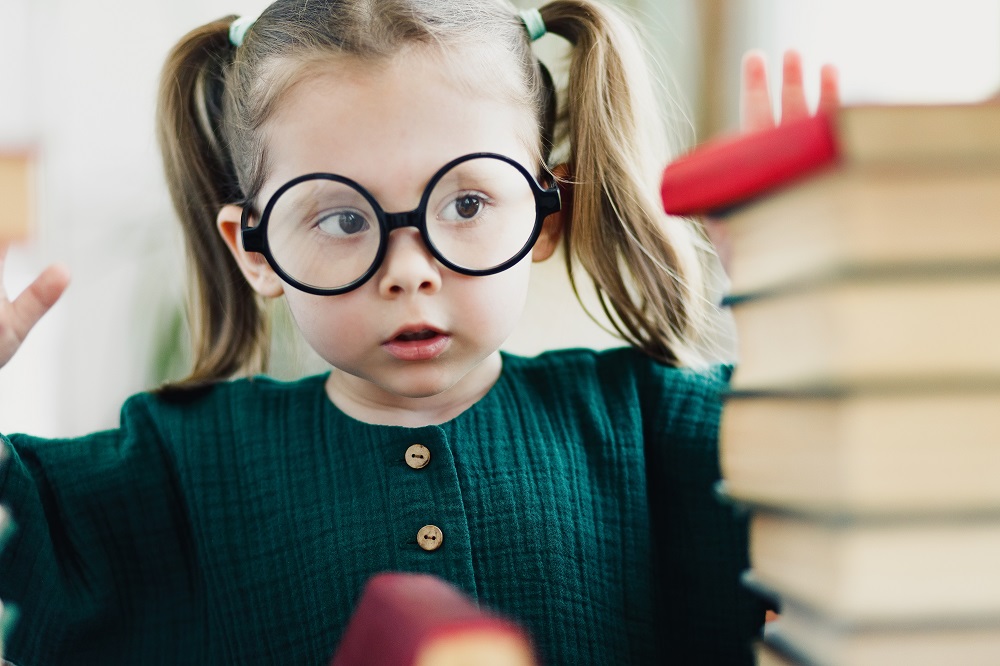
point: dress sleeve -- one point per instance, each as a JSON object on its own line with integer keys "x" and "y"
{"x": 700, "y": 543}
{"x": 101, "y": 549}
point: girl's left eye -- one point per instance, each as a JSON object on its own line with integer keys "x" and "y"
{"x": 465, "y": 207}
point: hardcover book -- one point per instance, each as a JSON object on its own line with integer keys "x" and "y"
{"x": 926, "y": 570}
{"x": 871, "y": 329}
{"x": 729, "y": 171}
{"x": 928, "y": 450}
{"x": 816, "y": 640}
{"x": 869, "y": 186}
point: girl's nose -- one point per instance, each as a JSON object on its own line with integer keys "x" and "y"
{"x": 408, "y": 267}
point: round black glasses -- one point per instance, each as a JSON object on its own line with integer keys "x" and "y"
{"x": 325, "y": 234}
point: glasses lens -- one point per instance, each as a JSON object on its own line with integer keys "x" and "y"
{"x": 481, "y": 213}
{"x": 323, "y": 233}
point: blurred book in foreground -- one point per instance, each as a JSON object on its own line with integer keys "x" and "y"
{"x": 16, "y": 194}
{"x": 405, "y": 619}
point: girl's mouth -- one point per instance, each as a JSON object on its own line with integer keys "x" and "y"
{"x": 413, "y": 336}
{"x": 417, "y": 344}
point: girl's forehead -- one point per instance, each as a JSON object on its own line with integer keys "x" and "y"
{"x": 391, "y": 120}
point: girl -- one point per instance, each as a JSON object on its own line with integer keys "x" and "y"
{"x": 384, "y": 166}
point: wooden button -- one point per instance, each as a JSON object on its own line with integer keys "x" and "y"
{"x": 418, "y": 456}
{"x": 430, "y": 537}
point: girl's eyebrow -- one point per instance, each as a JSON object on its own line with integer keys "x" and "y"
{"x": 309, "y": 196}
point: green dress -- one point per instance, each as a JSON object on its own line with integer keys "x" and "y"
{"x": 239, "y": 525}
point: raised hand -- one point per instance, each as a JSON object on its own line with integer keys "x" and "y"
{"x": 755, "y": 97}
{"x": 756, "y": 113}
{"x": 17, "y": 317}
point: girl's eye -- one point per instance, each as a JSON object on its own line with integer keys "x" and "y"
{"x": 465, "y": 207}
{"x": 343, "y": 223}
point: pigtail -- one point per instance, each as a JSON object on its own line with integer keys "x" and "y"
{"x": 229, "y": 330}
{"x": 644, "y": 265}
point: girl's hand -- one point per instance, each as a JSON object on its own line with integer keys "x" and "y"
{"x": 17, "y": 317}
{"x": 756, "y": 113}
{"x": 755, "y": 97}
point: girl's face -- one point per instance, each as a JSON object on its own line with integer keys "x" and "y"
{"x": 417, "y": 343}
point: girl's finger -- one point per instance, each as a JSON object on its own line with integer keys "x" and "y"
{"x": 755, "y": 100}
{"x": 829, "y": 88}
{"x": 3, "y": 262}
{"x": 793, "y": 93}
{"x": 36, "y": 300}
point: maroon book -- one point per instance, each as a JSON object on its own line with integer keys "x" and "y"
{"x": 405, "y": 619}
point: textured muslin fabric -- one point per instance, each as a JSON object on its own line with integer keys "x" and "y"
{"x": 239, "y": 525}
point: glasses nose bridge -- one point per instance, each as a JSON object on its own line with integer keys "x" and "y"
{"x": 395, "y": 221}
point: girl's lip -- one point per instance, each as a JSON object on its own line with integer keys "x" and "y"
{"x": 417, "y": 350}
{"x": 418, "y": 329}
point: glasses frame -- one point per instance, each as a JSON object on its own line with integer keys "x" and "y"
{"x": 547, "y": 202}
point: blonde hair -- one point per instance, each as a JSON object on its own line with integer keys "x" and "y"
{"x": 215, "y": 99}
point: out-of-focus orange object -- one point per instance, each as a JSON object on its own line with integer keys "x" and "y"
{"x": 16, "y": 193}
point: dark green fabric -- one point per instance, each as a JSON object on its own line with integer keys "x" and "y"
{"x": 239, "y": 526}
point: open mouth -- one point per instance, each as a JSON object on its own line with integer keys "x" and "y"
{"x": 415, "y": 336}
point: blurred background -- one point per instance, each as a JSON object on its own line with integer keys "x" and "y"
{"x": 77, "y": 93}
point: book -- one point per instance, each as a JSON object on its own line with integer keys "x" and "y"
{"x": 16, "y": 193}
{"x": 871, "y": 329}
{"x": 885, "y": 186}
{"x": 729, "y": 171}
{"x": 876, "y": 571}
{"x": 405, "y": 619}
{"x": 814, "y": 640}
{"x": 844, "y": 219}
{"x": 861, "y": 426}
{"x": 922, "y": 450}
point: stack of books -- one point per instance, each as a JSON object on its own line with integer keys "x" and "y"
{"x": 862, "y": 430}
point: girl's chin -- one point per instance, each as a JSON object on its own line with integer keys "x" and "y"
{"x": 416, "y": 386}
{"x": 394, "y": 387}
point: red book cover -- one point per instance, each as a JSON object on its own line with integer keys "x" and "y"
{"x": 405, "y": 619}
{"x": 728, "y": 171}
